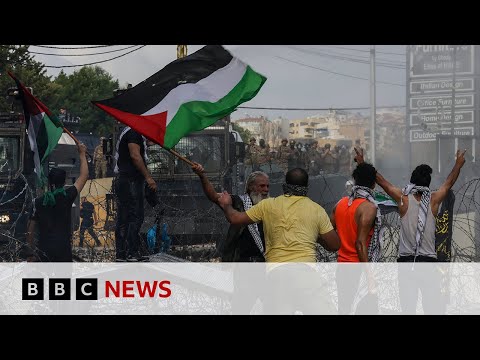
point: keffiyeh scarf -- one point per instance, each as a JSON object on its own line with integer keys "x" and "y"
{"x": 423, "y": 211}
{"x": 294, "y": 190}
{"x": 253, "y": 228}
{"x": 362, "y": 192}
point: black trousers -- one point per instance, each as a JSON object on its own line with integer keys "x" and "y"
{"x": 130, "y": 214}
{"x": 88, "y": 227}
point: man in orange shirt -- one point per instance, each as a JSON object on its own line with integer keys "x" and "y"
{"x": 356, "y": 219}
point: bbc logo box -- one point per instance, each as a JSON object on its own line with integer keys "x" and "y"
{"x": 59, "y": 289}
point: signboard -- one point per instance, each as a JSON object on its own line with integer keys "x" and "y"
{"x": 438, "y": 60}
{"x": 439, "y": 102}
{"x": 461, "y": 117}
{"x": 440, "y": 86}
{"x": 417, "y": 135}
{"x": 69, "y": 119}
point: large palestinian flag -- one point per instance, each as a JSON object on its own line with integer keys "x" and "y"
{"x": 44, "y": 128}
{"x": 187, "y": 95}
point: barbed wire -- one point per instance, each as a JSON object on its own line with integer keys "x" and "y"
{"x": 195, "y": 227}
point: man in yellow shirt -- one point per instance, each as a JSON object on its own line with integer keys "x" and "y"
{"x": 292, "y": 224}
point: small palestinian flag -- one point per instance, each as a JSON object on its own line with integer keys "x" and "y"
{"x": 44, "y": 129}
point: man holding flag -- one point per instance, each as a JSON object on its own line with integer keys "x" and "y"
{"x": 52, "y": 211}
{"x": 188, "y": 95}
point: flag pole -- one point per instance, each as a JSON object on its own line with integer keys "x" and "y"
{"x": 173, "y": 152}
{"x": 76, "y": 140}
{"x": 71, "y": 135}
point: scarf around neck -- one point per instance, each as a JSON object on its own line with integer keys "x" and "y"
{"x": 49, "y": 196}
{"x": 363, "y": 192}
{"x": 294, "y": 190}
{"x": 423, "y": 211}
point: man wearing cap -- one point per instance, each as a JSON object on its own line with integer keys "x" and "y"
{"x": 100, "y": 161}
{"x": 52, "y": 213}
{"x": 283, "y": 155}
{"x": 329, "y": 159}
{"x": 251, "y": 157}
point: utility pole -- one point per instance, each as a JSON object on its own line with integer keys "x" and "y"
{"x": 373, "y": 109}
{"x": 452, "y": 112}
{"x": 181, "y": 51}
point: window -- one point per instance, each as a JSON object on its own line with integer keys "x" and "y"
{"x": 9, "y": 154}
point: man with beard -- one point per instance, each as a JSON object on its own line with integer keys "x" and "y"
{"x": 243, "y": 243}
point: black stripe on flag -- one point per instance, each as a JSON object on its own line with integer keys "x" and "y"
{"x": 189, "y": 69}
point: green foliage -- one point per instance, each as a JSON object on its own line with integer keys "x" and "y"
{"x": 76, "y": 91}
{"x": 244, "y": 133}
{"x": 19, "y": 61}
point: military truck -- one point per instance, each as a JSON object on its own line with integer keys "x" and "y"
{"x": 190, "y": 217}
{"x": 16, "y": 185}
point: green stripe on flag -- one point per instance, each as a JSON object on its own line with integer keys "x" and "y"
{"x": 197, "y": 115}
{"x": 53, "y": 134}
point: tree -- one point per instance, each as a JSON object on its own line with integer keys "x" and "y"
{"x": 31, "y": 73}
{"x": 244, "y": 133}
{"x": 75, "y": 93}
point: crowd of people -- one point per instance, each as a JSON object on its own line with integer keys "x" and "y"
{"x": 291, "y": 154}
{"x": 284, "y": 229}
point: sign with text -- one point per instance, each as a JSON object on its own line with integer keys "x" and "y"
{"x": 438, "y": 60}
{"x": 417, "y": 135}
{"x": 440, "y": 102}
{"x": 461, "y": 117}
{"x": 440, "y": 86}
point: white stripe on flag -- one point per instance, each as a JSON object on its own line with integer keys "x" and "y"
{"x": 212, "y": 88}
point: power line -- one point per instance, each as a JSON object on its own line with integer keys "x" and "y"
{"x": 319, "y": 109}
{"x": 89, "y": 54}
{"x": 359, "y": 50}
{"x": 95, "y": 62}
{"x": 337, "y": 73}
{"x": 347, "y": 58}
{"x": 73, "y": 47}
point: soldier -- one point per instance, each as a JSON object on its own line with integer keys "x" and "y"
{"x": 344, "y": 161}
{"x": 283, "y": 155}
{"x": 314, "y": 160}
{"x": 329, "y": 159}
{"x": 294, "y": 156}
{"x": 251, "y": 157}
{"x": 100, "y": 161}
{"x": 263, "y": 157}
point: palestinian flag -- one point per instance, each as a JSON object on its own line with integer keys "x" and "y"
{"x": 187, "y": 95}
{"x": 385, "y": 203}
{"x": 44, "y": 129}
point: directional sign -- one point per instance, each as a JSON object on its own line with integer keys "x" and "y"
{"x": 461, "y": 117}
{"x": 438, "y": 60}
{"x": 441, "y": 102}
{"x": 440, "y": 86}
{"x": 417, "y": 135}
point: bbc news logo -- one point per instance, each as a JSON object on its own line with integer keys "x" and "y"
{"x": 87, "y": 289}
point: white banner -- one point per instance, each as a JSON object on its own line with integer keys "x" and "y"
{"x": 239, "y": 288}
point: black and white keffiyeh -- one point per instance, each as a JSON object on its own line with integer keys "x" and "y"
{"x": 362, "y": 192}
{"x": 124, "y": 131}
{"x": 294, "y": 190}
{"x": 253, "y": 228}
{"x": 423, "y": 211}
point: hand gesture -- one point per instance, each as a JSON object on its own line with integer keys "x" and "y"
{"x": 359, "y": 156}
{"x": 460, "y": 157}
{"x": 225, "y": 199}
{"x": 198, "y": 169}
{"x": 82, "y": 149}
